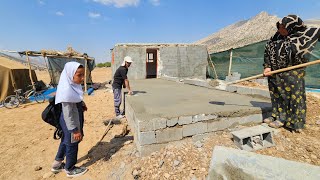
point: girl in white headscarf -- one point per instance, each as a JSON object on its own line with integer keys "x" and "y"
{"x": 70, "y": 95}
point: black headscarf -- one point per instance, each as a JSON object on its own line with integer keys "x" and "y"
{"x": 283, "y": 51}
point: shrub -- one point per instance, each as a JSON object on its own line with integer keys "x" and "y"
{"x": 106, "y": 64}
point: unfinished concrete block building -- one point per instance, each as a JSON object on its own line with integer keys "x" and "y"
{"x": 162, "y": 60}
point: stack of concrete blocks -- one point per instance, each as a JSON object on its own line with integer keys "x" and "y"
{"x": 253, "y": 138}
{"x": 233, "y": 77}
{"x": 153, "y": 133}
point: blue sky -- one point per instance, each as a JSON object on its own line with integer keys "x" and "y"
{"x": 95, "y": 26}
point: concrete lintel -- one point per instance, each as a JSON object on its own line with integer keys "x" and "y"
{"x": 229, "y": 163}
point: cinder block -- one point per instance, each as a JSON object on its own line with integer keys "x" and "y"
{"x": 261, "y": 92}
{"x": 144, "y": 126}
{"x": 185, "y": 120}
{"x": 197, "y": 82}
{"x": 244, "y": 90}
{"x": 159, "y": 123}
{"x": 253, "y": 138}
{"x": 203, "y": 117}
{"x": 168, "y": 134}
{"x": 172, "y": 122}
{"x": 221, "y": 124}
{"x": 224, "y": 123}
{"x": 152, "y": 125}
{"x": 147, "y": 137}
{"x": 254, "y": 118}
{"x": 193, "y": 129}
{"x": 231, "y": 88}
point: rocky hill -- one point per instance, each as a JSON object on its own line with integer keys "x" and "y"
{"x": 259, "y": 28}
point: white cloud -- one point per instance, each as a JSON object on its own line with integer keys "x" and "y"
{"x": 94, "y": 15}
{"x": 41, "y": 2}
{"x": 59, "y": 13}
{"x": 118, "y": 3}
{"x": 155, "y": 2}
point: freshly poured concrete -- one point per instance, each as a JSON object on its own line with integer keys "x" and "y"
{"x": 162, "y": 111}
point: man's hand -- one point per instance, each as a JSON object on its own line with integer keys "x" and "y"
{"x": 130, "y": 92}
{"x": 77, "y": 135}
{"x": 266, "y": 72}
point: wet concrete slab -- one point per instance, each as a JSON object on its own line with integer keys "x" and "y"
{"x": 161, "y": 98}
{"x": 162, "y": 111}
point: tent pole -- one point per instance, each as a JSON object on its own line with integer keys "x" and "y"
{"x": 214, "y": 69}
{"x": 230, "y": 64}
{"x": 85, "y": 74}
{"x": 30, "y": 72}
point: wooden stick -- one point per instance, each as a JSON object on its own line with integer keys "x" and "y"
{"x": 30, "y": 72}
{"x": 85, "y": 74}
{"x": 277, "y": 71}
{"x": 214, "y": 69}
{"x": 76, "y": 57}
{"x": 230, "y": 63}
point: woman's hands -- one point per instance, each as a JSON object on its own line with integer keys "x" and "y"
{"x": 266, "y": 72}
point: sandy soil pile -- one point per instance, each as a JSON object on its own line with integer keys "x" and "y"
{"x": 28, "y": 149}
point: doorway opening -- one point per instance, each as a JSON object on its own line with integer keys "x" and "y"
{"x": 151, "y": 63}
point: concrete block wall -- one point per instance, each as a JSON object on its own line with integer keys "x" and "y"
{"x": 138, "y": 54}
{"x": 174, "y": 60}
{"x": 152, "y": 134}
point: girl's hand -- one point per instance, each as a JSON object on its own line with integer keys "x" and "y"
{"x": 84, "y": 106}
{"x": 77, "y": 135}
{"x": 266, "y": 72}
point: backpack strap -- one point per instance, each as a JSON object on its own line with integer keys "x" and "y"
{"x": 58, "y": 133}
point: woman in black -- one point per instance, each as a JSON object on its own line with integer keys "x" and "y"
{"x": 291, "y": 45}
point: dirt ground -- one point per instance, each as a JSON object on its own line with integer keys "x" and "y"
{"x": 27, "y": 148}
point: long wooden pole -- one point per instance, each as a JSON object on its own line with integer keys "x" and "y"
{"x": 230, "y": 63}
{"x": 85, "y": 74}
{"x": 35, "y": 54}
{"x": 30, "y": 72}
{"x": 277, "y": 71}
{"x": 214, "y": 69}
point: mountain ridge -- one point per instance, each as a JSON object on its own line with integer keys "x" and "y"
{"x": 256, "y": 29}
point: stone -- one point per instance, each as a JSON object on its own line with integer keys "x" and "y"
{"x": 198, "y": 144}
{"x": 37, "y": 168}
{"x": 48, "y": 175}
{"x": 166, "y": 175}
{"x": 176, "y": 163}
{"x": 135, "y": 173}
{"x": 161, "y": 163}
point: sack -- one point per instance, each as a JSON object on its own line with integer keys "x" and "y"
{"x": 51, "y": 115}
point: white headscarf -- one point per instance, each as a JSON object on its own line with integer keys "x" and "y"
{"x": 67, "y": 90}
